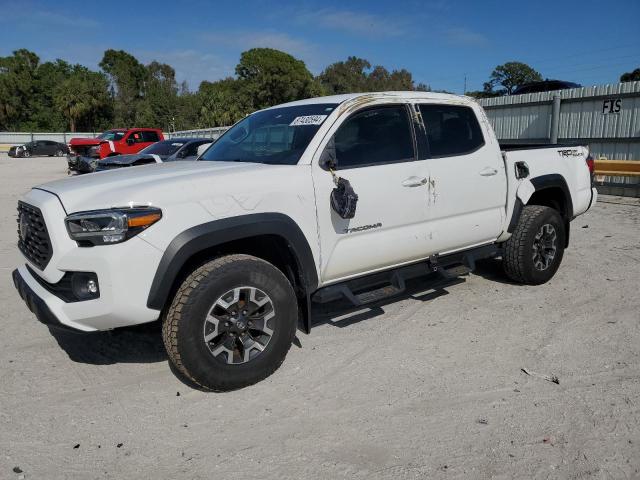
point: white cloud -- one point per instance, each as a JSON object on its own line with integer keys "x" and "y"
{"x": 355, "y": 23}
{"x": 263, "y": 39}
{"x": 466, "y": 37}
{"x": 190, "y": 65}
{"x": 237, "y": 41}
{"x": 17, "y": 13}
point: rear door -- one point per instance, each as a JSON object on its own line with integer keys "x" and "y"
{"x": 467, "y": 187}
{"x": 50, "y": 147}
{"x": 376, "y": 153}
{"x": 39, "y": 148}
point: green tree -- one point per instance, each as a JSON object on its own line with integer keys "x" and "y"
{"x": 17, "y": 86}
{"x": 82, "y": 97}
{"x": 356, "y": 75}
{"x": 345, "y": 77}
{"x": 509, "y": 76}
{"x": 43, "y": 113}
{"x": 127, "y": 77}
{"x": 631, "y": 76}
{"x": 483, "y": 94}
{"x": 223, "y": 102}
{"x": 158, "y": 105}
{"x": 270, "y": 77}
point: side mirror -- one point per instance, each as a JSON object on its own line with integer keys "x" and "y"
{"x": 328, "y": 158}
{"x": 130, "y": 141}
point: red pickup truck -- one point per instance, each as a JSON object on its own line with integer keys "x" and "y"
{"x": 84, "y": 151}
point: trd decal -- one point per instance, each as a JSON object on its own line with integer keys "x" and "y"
{"x": 569, "y": 153}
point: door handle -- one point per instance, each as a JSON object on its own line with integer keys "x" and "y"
{"x": 414, "y": 182}
{"x": 488, "y": 172}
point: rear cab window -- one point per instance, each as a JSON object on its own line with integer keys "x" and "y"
{"x": 149, "y": 136}
{"x": 451, "y": 129}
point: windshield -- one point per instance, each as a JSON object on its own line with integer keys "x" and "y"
{"x": 111, "y": 135}
{"x": 167, "y": 147}
{"x": 276, "y": 136}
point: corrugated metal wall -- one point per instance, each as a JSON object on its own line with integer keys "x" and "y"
{"x": 213, "y": 133}
{"x": 18, "y": 138}
{"x": 586, "y": 115}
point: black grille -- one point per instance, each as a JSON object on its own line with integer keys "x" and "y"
{"x": 33, "y": 237}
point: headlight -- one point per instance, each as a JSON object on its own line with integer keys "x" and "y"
{"x": 103, "y": 227}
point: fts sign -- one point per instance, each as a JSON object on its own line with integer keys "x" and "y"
{"x": 611, "y": 105}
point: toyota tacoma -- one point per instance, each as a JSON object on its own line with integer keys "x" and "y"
{"x": 340, "y": 197}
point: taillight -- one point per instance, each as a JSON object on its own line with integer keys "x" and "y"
{"x": 591, "y": 164}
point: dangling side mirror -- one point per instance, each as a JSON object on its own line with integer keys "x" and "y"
{"x": 328, "y": 158}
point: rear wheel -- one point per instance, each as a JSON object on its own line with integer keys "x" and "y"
{"x": 59, "y": 153}
{"x": 231, "y": 322}
{"x": 534, "y": 252}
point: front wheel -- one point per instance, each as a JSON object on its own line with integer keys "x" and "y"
{"x": 26, "y": 154}
{"x": 231, "y": 322}
{"x": 534, "y": 252}
{"x": 59, "y": 153}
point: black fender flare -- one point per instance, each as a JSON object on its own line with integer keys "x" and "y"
{"x": 555, "y": 180}
{"x": 541, "y": 183}
{"x": 208, "y": 235}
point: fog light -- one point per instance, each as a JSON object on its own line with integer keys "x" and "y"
{"x": 92, "y": 286}
{"x": 85, "y": 285}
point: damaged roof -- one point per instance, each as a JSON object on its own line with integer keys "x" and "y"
{"x": 406, "y": 95}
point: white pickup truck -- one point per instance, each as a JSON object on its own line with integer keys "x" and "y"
{"x": 308, "y": 201}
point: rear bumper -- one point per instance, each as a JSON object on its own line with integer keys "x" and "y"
{"x": 594, "y": 197}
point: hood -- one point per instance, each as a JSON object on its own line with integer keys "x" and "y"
{"x": 85, "y": 141}
{"x": 125, "y": 159}
{"x": 155, "y": 184}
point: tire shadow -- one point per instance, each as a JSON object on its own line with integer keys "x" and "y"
{"x": 137, "y": 344}
{"x": 491, "y": 269}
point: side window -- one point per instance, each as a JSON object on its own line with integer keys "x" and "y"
{"x": 190, "y": 150}
{"x": 135, "y": 136}
{"x": 149, "y": 136}
{"x": 374, "y": 136}
{"x": 451, "y": 130}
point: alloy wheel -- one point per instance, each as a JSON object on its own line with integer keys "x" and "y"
{"x": 544, "y": 247}
{"x": 238, "y": 326}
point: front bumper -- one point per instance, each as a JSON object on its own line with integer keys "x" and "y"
{"x": 124, "y": 271}
{"x": 36, "y": 304}
{"x": 81, "y": 164}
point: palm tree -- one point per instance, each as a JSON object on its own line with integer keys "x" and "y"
{"x": 81, "y": 95}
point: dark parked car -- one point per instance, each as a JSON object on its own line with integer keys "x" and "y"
{"x": 544, "y": 86}
{"x": 164, "y": 151}
{"x": 40, "y": 148}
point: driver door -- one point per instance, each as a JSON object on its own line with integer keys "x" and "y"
{"x": 375, "y": 152}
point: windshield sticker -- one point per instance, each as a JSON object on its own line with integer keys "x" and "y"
{"x": 308, "y": 120}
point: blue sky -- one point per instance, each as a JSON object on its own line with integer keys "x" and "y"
{"x": 589, "y": 42}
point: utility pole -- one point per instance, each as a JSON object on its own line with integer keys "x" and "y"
{"x": 464, "y": 92}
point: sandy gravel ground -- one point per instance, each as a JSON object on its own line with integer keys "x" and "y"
{"x": 426, "y": 386}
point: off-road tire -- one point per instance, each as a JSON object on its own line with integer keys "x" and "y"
{"x": 517, "y": 258}
{"x": 182, "y": 329}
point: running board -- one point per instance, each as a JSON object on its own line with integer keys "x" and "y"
{"x": 379, "y": 286}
